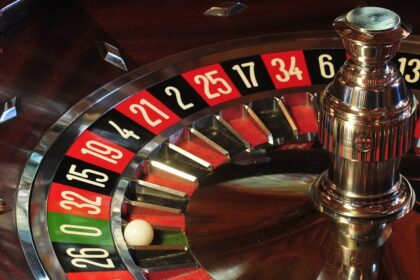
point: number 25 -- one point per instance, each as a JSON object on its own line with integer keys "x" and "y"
{"x": 209, "y": 79}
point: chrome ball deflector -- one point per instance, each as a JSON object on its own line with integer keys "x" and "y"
{"x": 367, "y": 123}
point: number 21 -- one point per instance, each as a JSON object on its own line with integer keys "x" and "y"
{"x": 141, "y": 108}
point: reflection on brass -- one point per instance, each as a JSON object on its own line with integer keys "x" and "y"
{"x": 367, "y": 124}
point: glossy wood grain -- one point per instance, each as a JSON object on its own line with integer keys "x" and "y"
{"x": 49, "y": 60}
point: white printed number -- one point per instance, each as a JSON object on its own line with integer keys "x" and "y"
{"x": 325, "y": 66}
{"x": 414, "y": 76}
{"x": 252, "y": 81}
{"x": 102, "y": 151}
{"x": 84, "y": 176}
{"x": 209, "y": 79}
{"x": 93, "y": 206}
{"x": 285, "y": 74}
{"x": 173, "y": 90}
{"x": 125, "y": 133}
{"x": 81, "y": 230}
{"x": 83, "y": 258}
{"x": 141, "y": 108}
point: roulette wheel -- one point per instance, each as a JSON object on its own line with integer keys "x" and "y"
{"x": 189, "y": 140}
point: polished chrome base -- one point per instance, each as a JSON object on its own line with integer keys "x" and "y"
{"x": 362, "y": 218}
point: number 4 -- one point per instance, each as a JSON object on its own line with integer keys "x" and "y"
{"x": 125, "y": 133}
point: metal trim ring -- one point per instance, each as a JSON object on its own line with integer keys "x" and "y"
{"x": 31, "y": 207}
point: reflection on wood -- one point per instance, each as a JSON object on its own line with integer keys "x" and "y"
{"x": 255, "y": 232}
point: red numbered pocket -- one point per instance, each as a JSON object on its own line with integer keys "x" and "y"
{"x": 98, "y": 151}
{"x": 148, "y": 111}
{"x": 287, "y": 69}
{"x": 78, "y": 202}
{"x": 213, "y": 84}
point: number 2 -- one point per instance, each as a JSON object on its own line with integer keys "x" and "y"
{"x": 173, "y": 90}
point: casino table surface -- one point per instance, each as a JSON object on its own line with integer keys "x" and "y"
{"x": 51, "y": 60}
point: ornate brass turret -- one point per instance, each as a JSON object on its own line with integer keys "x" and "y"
{"x": 367, "y": 124}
